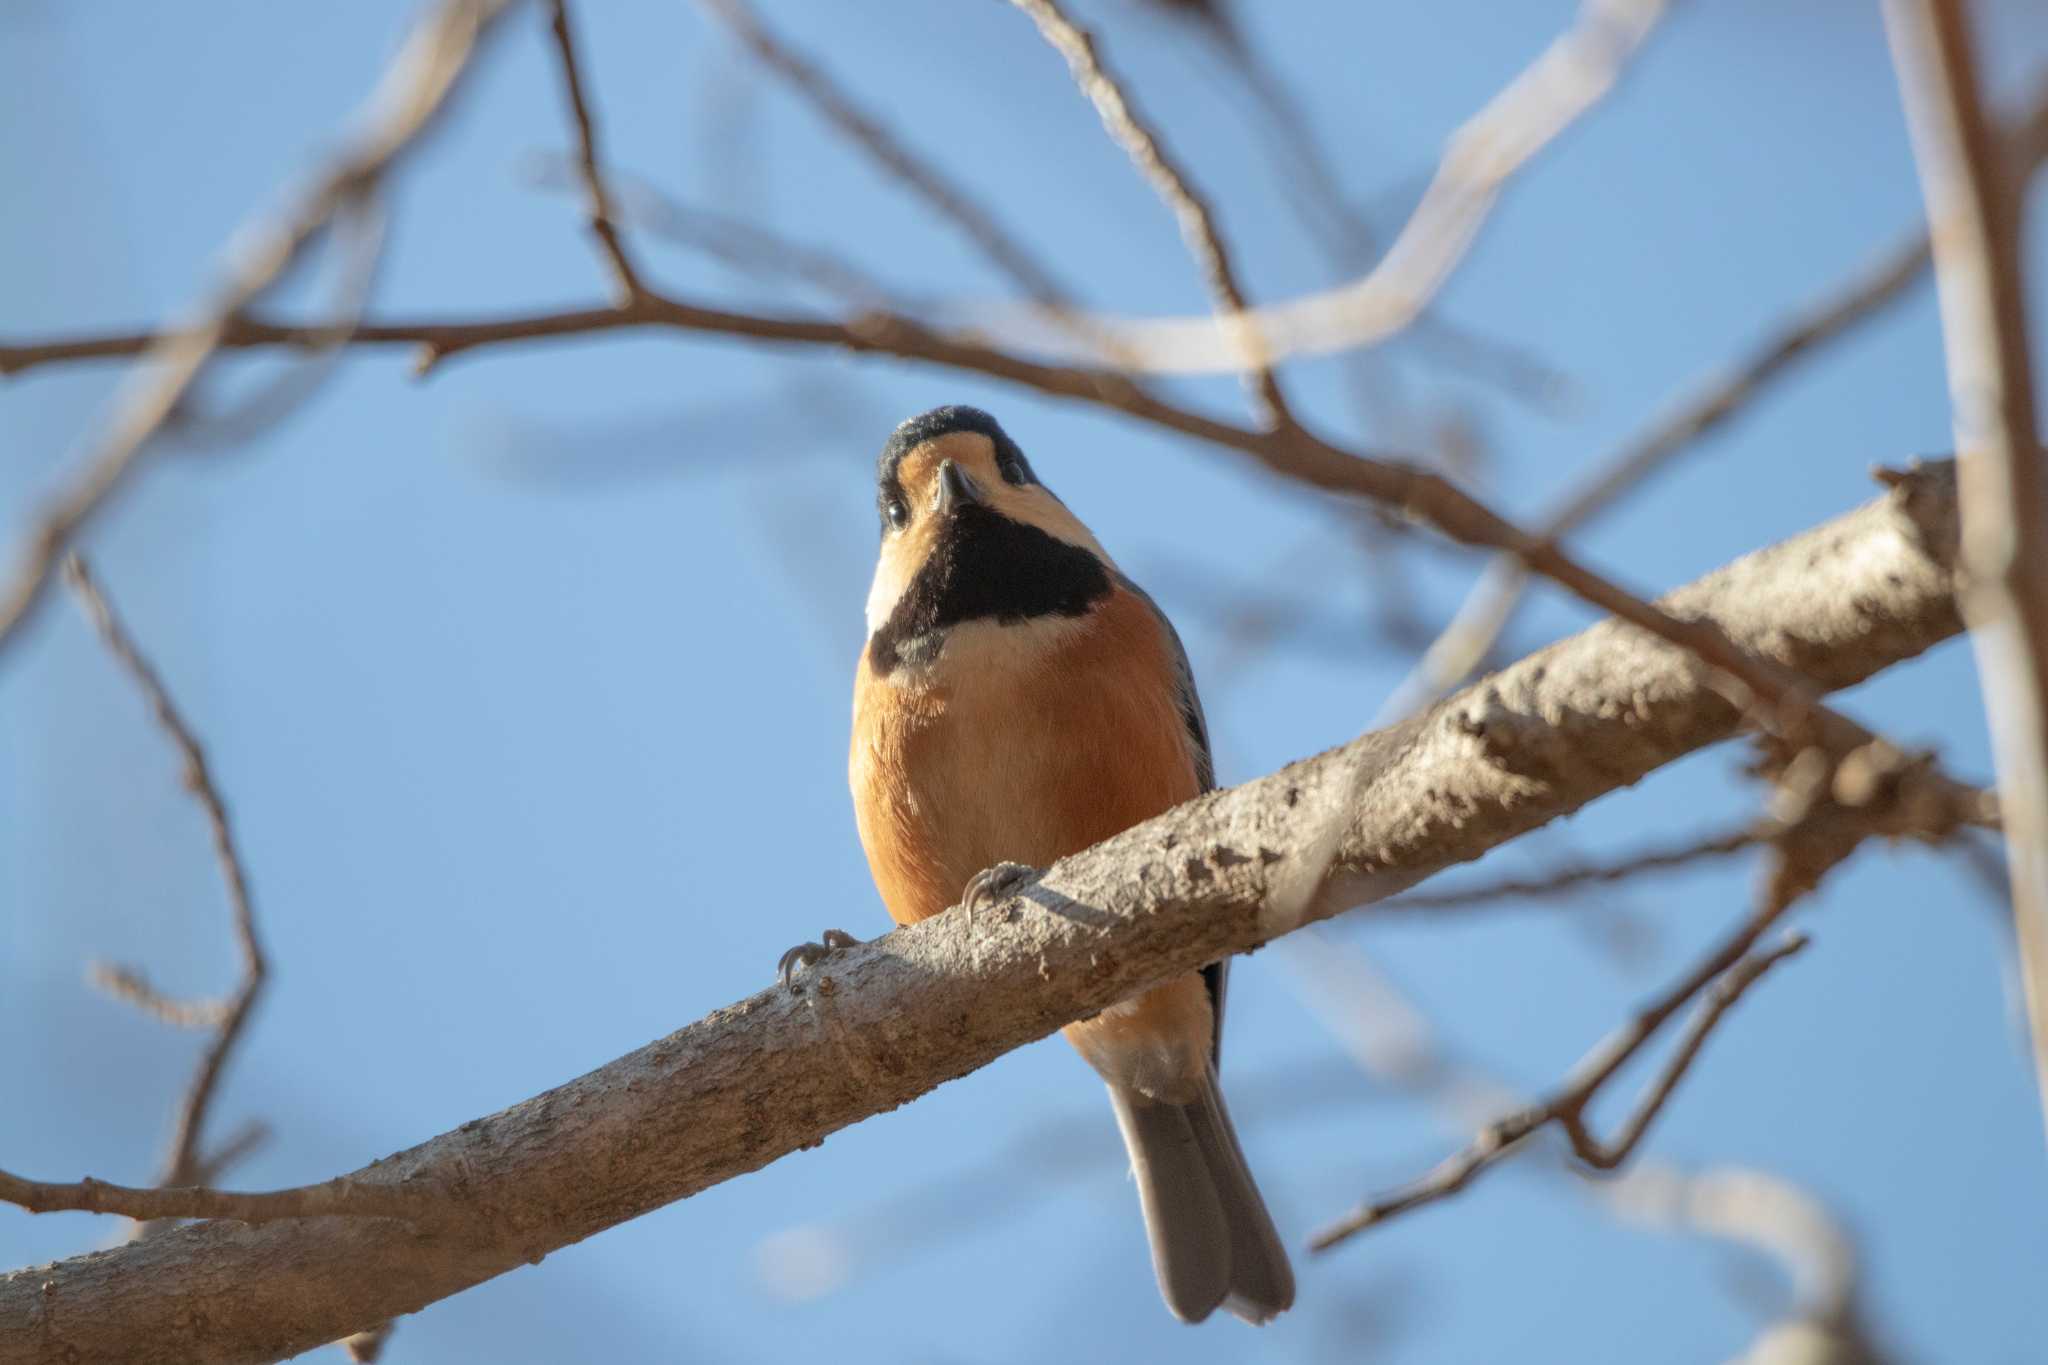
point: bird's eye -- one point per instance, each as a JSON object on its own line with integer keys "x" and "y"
{"x": 897, "y": 511}
{"x": 1012, "y": 470}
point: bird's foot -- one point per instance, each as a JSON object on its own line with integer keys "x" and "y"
{"x": 992, "y": 885}
{"x": 808, "y": 955}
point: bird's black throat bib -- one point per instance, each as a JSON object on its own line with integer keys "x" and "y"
{"x": 985, "y": 567}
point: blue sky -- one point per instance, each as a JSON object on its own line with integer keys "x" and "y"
{"x": 527, "y": 684}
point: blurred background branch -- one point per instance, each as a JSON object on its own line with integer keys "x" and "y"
{"x": 1570, "y": 77}
{"x": 1974, "y": 202}
{"x": 401, "y": 109}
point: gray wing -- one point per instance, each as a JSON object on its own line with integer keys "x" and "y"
{"x": 1216, "y": 974}
{"x": 1184, "y": 687}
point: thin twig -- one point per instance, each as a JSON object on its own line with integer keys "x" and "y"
{"x": 131, "y": 986}
{"x": 399, "y": 111}
{"x": 597, "y": 199}
{"x": 358, "y": 231}
{"x": 1729, "y": 977}
{"x": 1563, "y": 880}
{"x": 946, "y": 196}
{"x": 1396, "y": 1047}
{"x": 1723, "y": 992}
{"x": 735, "y": 242}
{"x": 1130, "y": 131}
{"x": 183, "y": 1159}
{"x": 232, "y": 1149}
{"x": 1347, "y": 237}
{"x": 344, "y": 1196}
{"x": 1975, "y": 203}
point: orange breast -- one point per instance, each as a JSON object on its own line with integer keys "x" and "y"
{"x": 1025, "y": 743}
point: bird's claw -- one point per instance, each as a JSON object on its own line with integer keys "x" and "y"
{"x": 992, "y": 885}
{"x": 808, "y": 955}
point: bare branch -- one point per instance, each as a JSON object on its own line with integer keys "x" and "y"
{"x": 1198, "y": 227}
{"x": 597, "y": 199}
{"x": 1826, "y": 1323}
{"x": 1563, "y": 880}
{"x": 782, "y": 1069}
{"x": 1567, "y": 1107}
{"x": 1704, "y": 408}
{"x": 1974, "y": 204}
{"x": 132, "y": 987}
{"x": 1760, "y": 1210}
{"x": 1719, "y": 995}
{"x": 1945, "y": 809}
{"x": 734, "y": 242}
{"x": 237, "y": 1145}
{"x": 342, "y": 1197}
{"x": 1397, "y": 1047}
{"x": 1347, "y": 236}
{"x": 182, "y": 1163}
{"x": 1571, "y": 76}
{"x": 399, "y": 111}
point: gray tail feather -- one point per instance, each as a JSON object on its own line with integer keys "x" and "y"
{"x": 1212, "y": 1240}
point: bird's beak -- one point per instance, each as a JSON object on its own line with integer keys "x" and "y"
{"x": 956, "y": 488}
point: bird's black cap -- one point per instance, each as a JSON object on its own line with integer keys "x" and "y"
{"x": 928, "y": 426}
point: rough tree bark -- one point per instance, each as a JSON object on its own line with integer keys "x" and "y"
{"x": 881, "y": 1025}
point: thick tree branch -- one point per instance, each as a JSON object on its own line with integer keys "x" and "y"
{"x": 1974, "y": 203}
{"x": 882, "y": 1024}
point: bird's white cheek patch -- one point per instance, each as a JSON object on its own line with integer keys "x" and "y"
{"x": 885, "y": 592}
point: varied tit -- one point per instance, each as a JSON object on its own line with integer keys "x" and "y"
{"x": 1018, "y": 700}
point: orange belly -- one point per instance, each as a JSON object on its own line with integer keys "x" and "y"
{"x": 1026, "y": 743}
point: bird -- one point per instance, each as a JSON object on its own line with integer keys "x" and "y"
{"x": 1018, "y": 699}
